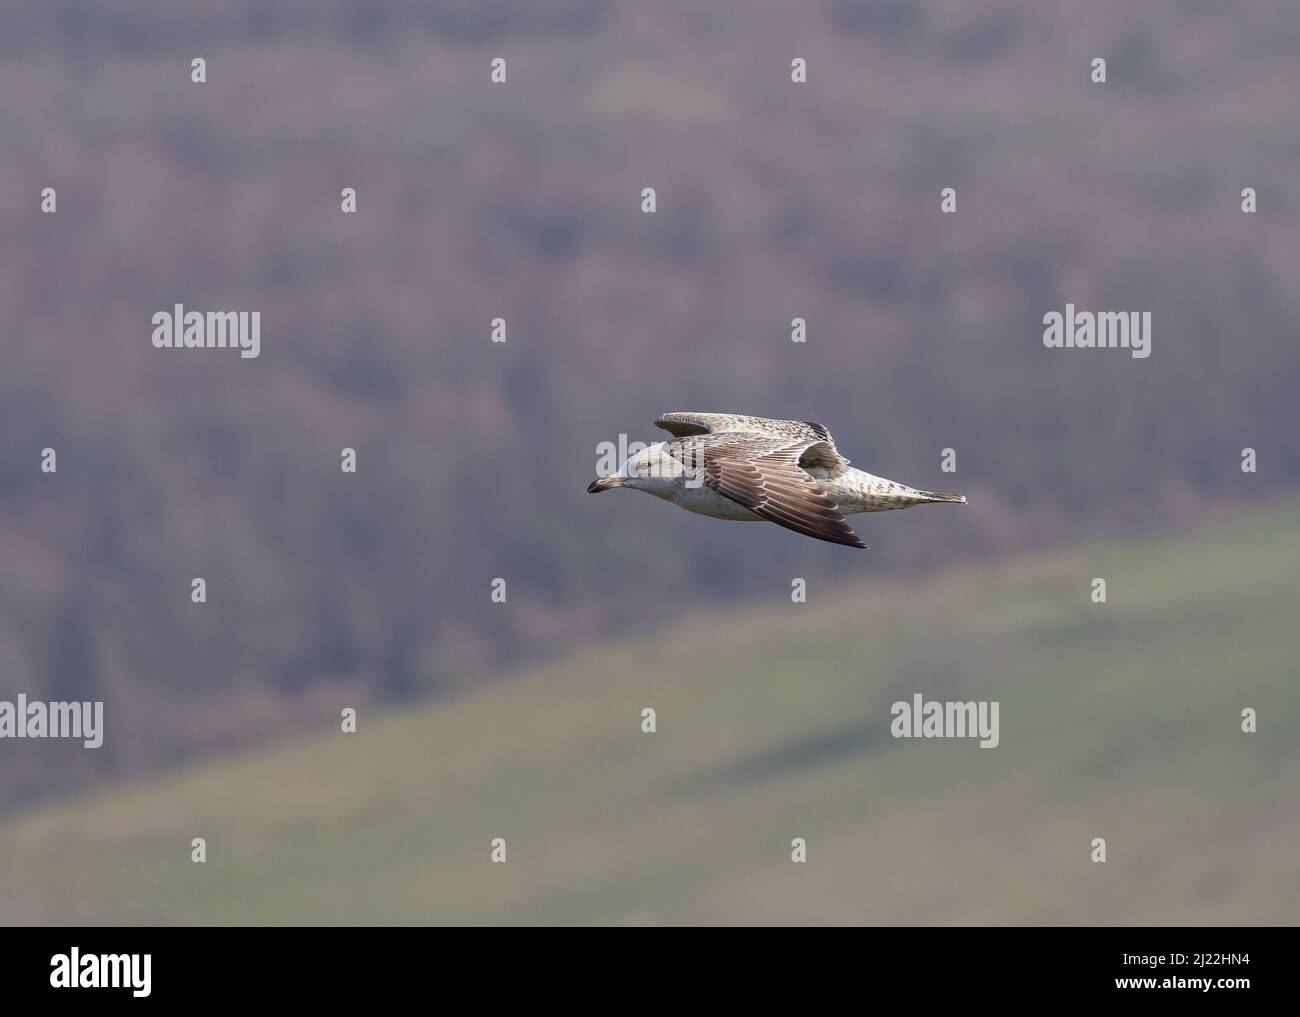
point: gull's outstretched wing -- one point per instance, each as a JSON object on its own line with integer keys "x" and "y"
{"x": 761, "y": 470}
{"x": 682, "y": 425}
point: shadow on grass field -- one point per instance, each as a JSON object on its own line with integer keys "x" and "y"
{"x": 1120, "y": 721}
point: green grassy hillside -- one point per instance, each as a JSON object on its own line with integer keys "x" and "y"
{"x": 1119, "y": 721}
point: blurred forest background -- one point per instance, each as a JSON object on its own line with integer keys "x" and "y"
{"x": 522, "y": 201}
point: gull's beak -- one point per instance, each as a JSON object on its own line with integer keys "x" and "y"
{"x": 604, "y": 484}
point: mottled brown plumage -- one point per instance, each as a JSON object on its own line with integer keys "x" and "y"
{"x": 788, "y": 472}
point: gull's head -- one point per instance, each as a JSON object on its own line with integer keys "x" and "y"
{"x": 651, "y": 470}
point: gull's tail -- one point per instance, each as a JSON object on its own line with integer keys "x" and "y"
{"x": 877, "y": 494}
{"x": 931, "y": 496}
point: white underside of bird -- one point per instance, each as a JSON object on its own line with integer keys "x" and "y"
{"x": 743, "y": 468}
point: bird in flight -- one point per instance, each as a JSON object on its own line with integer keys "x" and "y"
{"x": 787, "y": 472}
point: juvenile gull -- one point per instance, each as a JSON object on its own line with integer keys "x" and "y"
{"x": 788, "y": 472}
